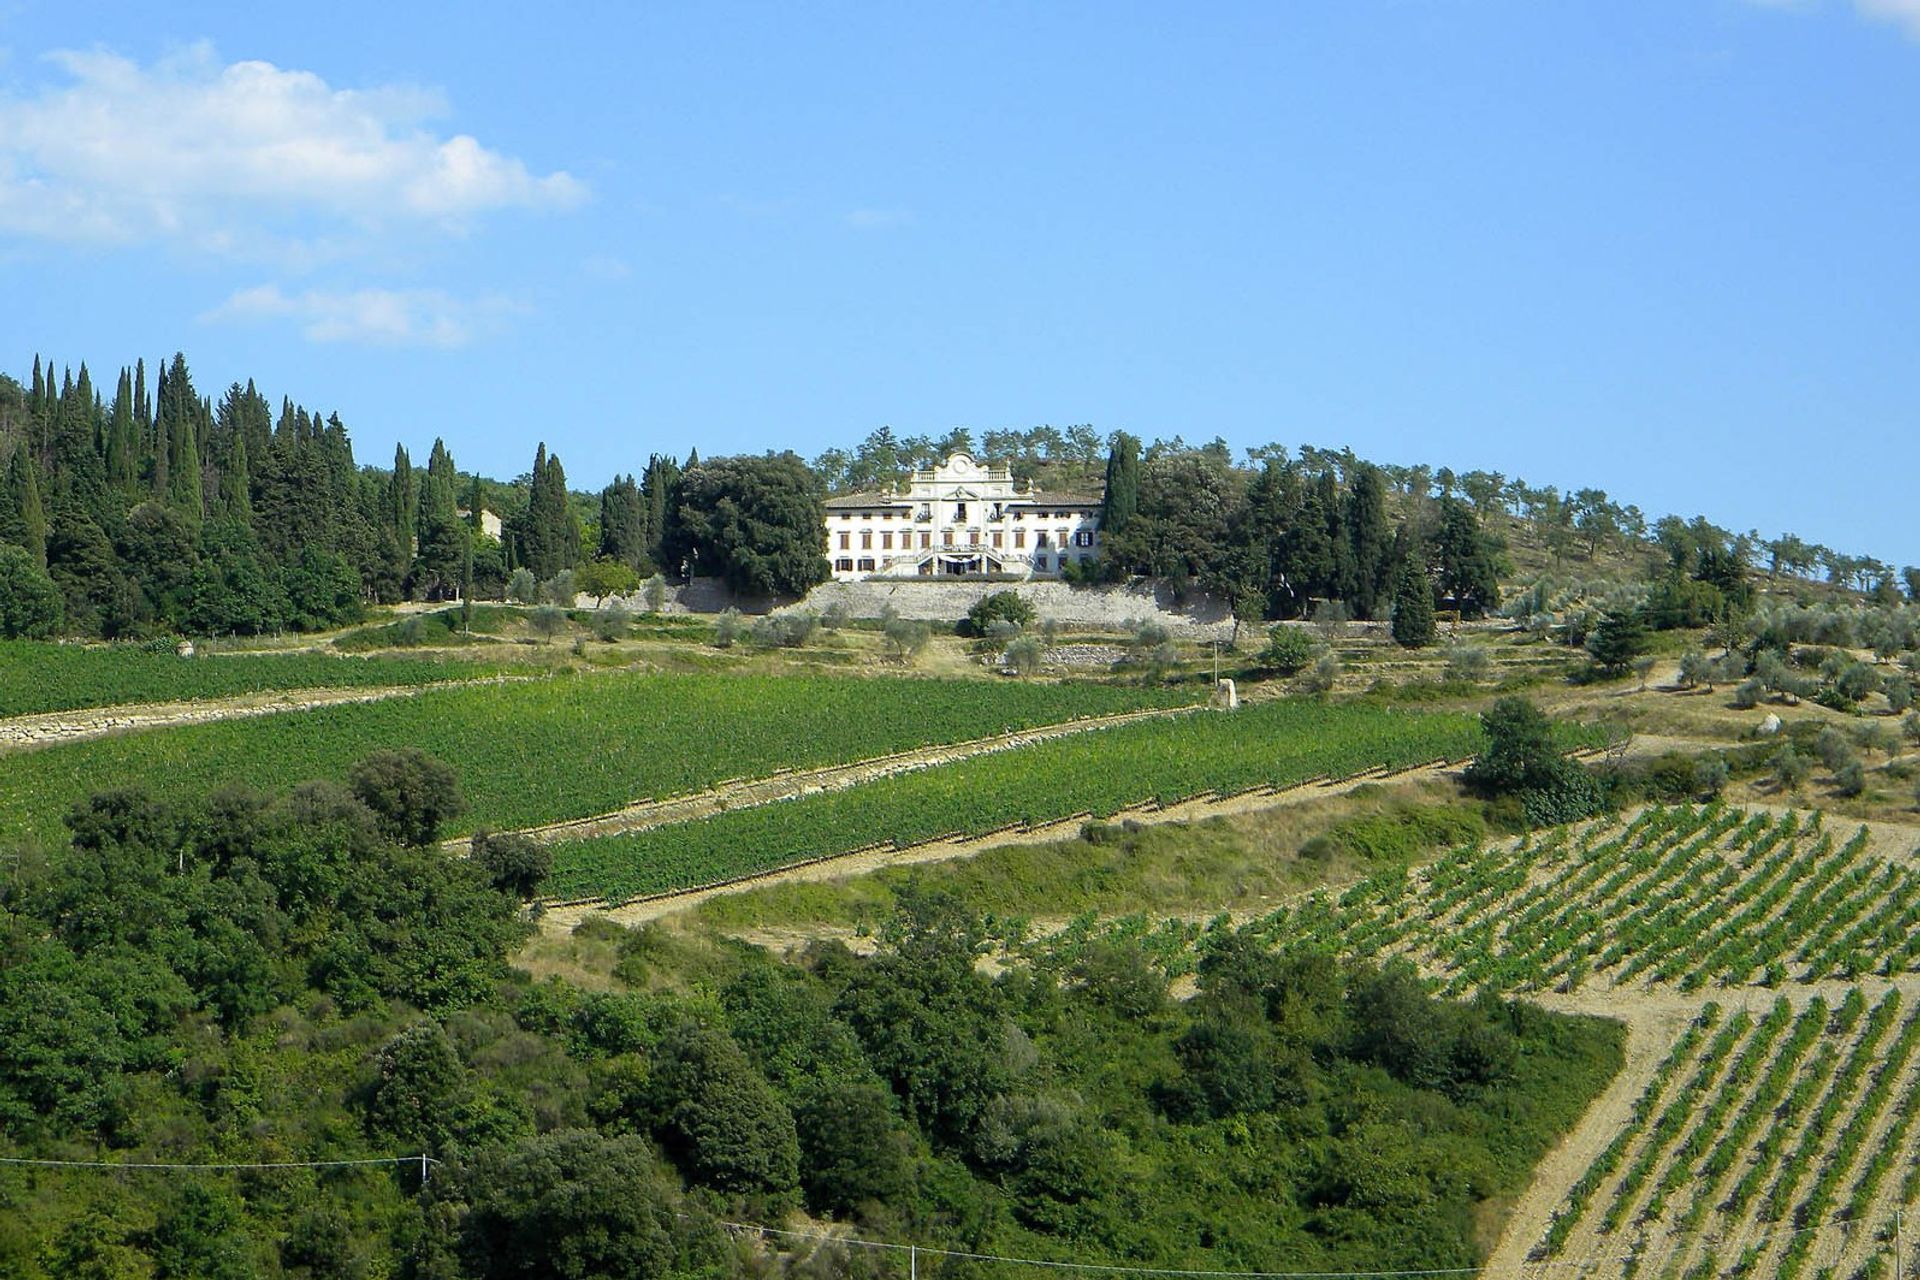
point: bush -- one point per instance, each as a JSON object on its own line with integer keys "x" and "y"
{"x": 1325, "y": 671}
{"x": 906, "y": 638}
{"x": 1850, "y": 779}
{"x": 549, "y": 620}
{"x": 1468, "y": 663}
{"x": 1001, "y": 606}
{"x": 523, "y": 587}
{"x": 610, "y": 623}
{"x": 516, "y": 863}
{"x": 784, "y": 630}
{"x": 30, "y": 605}
{"x": 1289, "y": 648}
{"x": 410, "y": 793}
{"x": 1025, "y": 655}
{"x": 1748, "y": 693}
{"x": 1521, "y": 759}
{"x": 726, "y": 628}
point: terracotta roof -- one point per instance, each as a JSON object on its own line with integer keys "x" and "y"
{"x": 865, "y": 498}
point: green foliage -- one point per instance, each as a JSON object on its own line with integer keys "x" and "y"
{"x": 1522, "y": 759}
{"x": 410, "y": 793}
{"x": 1289, "y": 648}
{"x": 757, "y": 522}
{"x": 536, "y": 752}
{"x": 719, "y": 1118}
{"x": 517, "y": 864}
{"x": 1617, "y": 641}
{"x": 999, "y": 606}
{"x": 578, "y": 1206}
{"x": 1273, "y": 743}
{"x": 1413, "y": 606}
{"x": 30, "y": 605}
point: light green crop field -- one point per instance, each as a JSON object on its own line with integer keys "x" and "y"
{"x": 1274, "y": 743}
{"x": 566, "y": 747}
{"x": 37, "y": 677}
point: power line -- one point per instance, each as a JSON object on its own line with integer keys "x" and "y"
{"x": 422, "y": 1160}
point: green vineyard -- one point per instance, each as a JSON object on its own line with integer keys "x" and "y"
{"x": 36, "y": 677}
{"x": 567, "y": 747}
{"x": 1272, "y": 744}
{"x": 1688, "y": 898}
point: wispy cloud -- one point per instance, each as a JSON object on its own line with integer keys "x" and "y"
{"x": 376, "y": 317}
{"x": 1902, "y": 13}
{"x": 878, "y": 219}
{"x": 223, "y": 157}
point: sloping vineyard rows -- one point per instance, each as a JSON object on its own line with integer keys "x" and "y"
{"x": 568, "y": 747}
{"x": 1681, "y": 897}
{"x": 1772, "y": 1158}
{"x": 1101, "y": 772}
{"x": 37, "y": 677}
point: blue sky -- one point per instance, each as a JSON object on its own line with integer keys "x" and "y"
{"x": 1666, "y": 247}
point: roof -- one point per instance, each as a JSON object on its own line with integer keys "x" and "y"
{"x": 865, "y": 498}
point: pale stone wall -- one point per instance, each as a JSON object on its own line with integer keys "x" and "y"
{"x": 1199, "y": 616}
{"x": 1114, "y": 606}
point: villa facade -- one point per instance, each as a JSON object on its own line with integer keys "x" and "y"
{"x": 958, "y": 519}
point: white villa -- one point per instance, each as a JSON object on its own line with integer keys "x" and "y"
{"x": 962, "y": 517}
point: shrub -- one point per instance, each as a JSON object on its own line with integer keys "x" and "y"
{"x": 906, "y": 638}
{"x": 30, "y": 605}
{"x": 410, "y": 793}
{"x": 516, "y": 863}
{"x": 1325, "y": 671}
{"x": 1025, "y": 655}
{"x": 1747, "y": 694}
{"x": 1850, "y": 779}
{"x": 998, "y": 606}
{"x": 726, "y": 628}
{"x": 1289, "y": 648}
{"x": 610, "y": 623}
{"x": 523, "y": 587}
{"x": 1468, "y": 663}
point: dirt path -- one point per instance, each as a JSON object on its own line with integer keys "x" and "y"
{"x": 746, "y": 793}
{"x": 562, "y": 918}
{"x": 51, "y": 728}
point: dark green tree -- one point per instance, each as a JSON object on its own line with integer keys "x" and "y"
{"x": 410, "y": 792}
{"x": 1413, "y": 602}
{"x": 757, "y": 522}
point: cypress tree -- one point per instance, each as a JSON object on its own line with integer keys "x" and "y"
{"x": 184, "y": 491}
{"x": 443, "y": 540}
{"x": 1413, "y": 602}
{"x": 623, "y": 523}
{"x": 23, "y": 521}
{"x": 1369, "y": 537}
{"x": 1122, "y": 499}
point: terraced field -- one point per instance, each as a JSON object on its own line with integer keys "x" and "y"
{"x": 566, "y": 747}
{"x": 1780, "y": 961}
{"x": 37, "y": 677}
{"x": 1270, "y": 744}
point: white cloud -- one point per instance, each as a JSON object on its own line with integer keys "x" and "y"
{"x": 377, "y": 317}
{"x": 878, "y": 219}
{"x": 1905, "y": 13}
{"x": 227, "y": 157}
